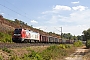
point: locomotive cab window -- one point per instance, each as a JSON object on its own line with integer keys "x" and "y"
{"x": 17, "y": 31}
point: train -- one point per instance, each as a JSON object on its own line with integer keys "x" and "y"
{"x": 24, "y": 35}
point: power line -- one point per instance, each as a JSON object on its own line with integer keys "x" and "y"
{"x": 14, "y": 6}
{"x": 14, "y": 11}
{"x": 60, "y": 31}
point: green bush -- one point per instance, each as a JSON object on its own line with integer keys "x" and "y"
{"x": 78, "y": 43}
{"x": 6, "y": 50}
{"x": 64, "y": 46}
{"x": 1, "y": 58}
{"x": 1, "y": 35}
{"x": 53, "y": 52}
{"x": 88, "y": 43}
{"x": 5, "y": 37}
{"x": 32, "y": 56}
{"x": 15, "y": 58}
{"x": 52, "y": 47}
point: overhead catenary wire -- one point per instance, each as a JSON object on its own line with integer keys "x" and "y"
{"x": 15, "y": 6}
{"x": 15, "y": 11}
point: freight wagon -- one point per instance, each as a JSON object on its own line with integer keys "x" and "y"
{"x": 51, "y": 39}
{"x": 43, "y": 39}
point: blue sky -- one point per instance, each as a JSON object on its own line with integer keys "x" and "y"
{"x": 49, "y": 15}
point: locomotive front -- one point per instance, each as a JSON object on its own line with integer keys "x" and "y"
{"x": 17, "y": 35}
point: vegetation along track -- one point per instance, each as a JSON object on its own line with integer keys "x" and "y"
{"x": 15, "y": 45}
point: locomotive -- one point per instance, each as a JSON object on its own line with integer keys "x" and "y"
{"x": 23, "y": 35}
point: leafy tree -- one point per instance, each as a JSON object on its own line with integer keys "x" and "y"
{"x": 87, "y": 34}
{"x": 87, "y": 37}
{"x": 88, "y": 43}
{"x": 67, "y": 36}
{"x": 79, "y": 37}
{"x": 17, "y": 21}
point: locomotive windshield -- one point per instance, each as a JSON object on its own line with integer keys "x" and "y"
{"x": 17, "y": 31}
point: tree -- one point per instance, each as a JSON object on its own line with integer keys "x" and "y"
{"x": 17, "y": 21}
{"x": 86, "y": 34}
{"x": 67, "y": 36}
{"x": 79, "y": 37}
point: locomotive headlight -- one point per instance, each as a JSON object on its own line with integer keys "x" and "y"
{"x": 17, "y": 34}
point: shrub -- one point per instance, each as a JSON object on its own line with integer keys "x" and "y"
{"x": 32, "y": 56}
{"x": 64, "y": 46}
{"x": 6, "y": 50}
{"x": 52, "y": 47}
{"x": 8, "y": 40}
{"x": 1, "y": 58}
{"x": 15, "y": 58}
{"x": 5, "y": 37}
{"x": 78, "y": 43}
{"x": 88, "y": 43}
{"x": 1, "y": 35}
{"x": 53, "y": 52}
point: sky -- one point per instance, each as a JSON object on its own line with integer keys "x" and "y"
{"x": 50, "y": 15}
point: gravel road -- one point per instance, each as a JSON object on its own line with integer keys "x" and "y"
{"x": 78, "y": 54}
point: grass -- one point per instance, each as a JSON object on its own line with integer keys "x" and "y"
{"x": 4, "y": 37}
{"x": 87, "y": 56}
{"x": 54, "y": 52}
{"x": 1, "y": 58}
{"x": 51, "y": 53}
{"x": 6, "y": 50}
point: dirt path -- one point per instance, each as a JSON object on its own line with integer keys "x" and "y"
{"x": 78, "y": 54}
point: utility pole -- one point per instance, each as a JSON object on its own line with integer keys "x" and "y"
{"x": 61, "y": 33}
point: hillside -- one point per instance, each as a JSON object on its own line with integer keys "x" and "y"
{"x": 4, "y": 25}
{"x": 7, "y": 26}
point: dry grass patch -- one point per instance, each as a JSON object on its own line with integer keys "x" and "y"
{"x": 38, "y": 52}
{"x": 37, "y": 48}
{"x": 19, "y": 51}
{"x": 87, "y": 56}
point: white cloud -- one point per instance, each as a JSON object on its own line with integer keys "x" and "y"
{"x": 59, "y": 7}
{"x": 33, "y": 21}
{"x": 75, "y": 2}
{"x": 44, "y": 28}
{"x": 75, "y": 30}
{"x": 78, "y": 17}
{"x": 79, "y": 20}
{"x": 1, "y": 13}
{"x": 74, "y": 22}
{"x": 80, "y": 8}
{"x": 46, "y": 12}
{"x": 53, "y": 20}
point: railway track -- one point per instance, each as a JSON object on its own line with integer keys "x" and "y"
{"x": 15, "y": 45}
